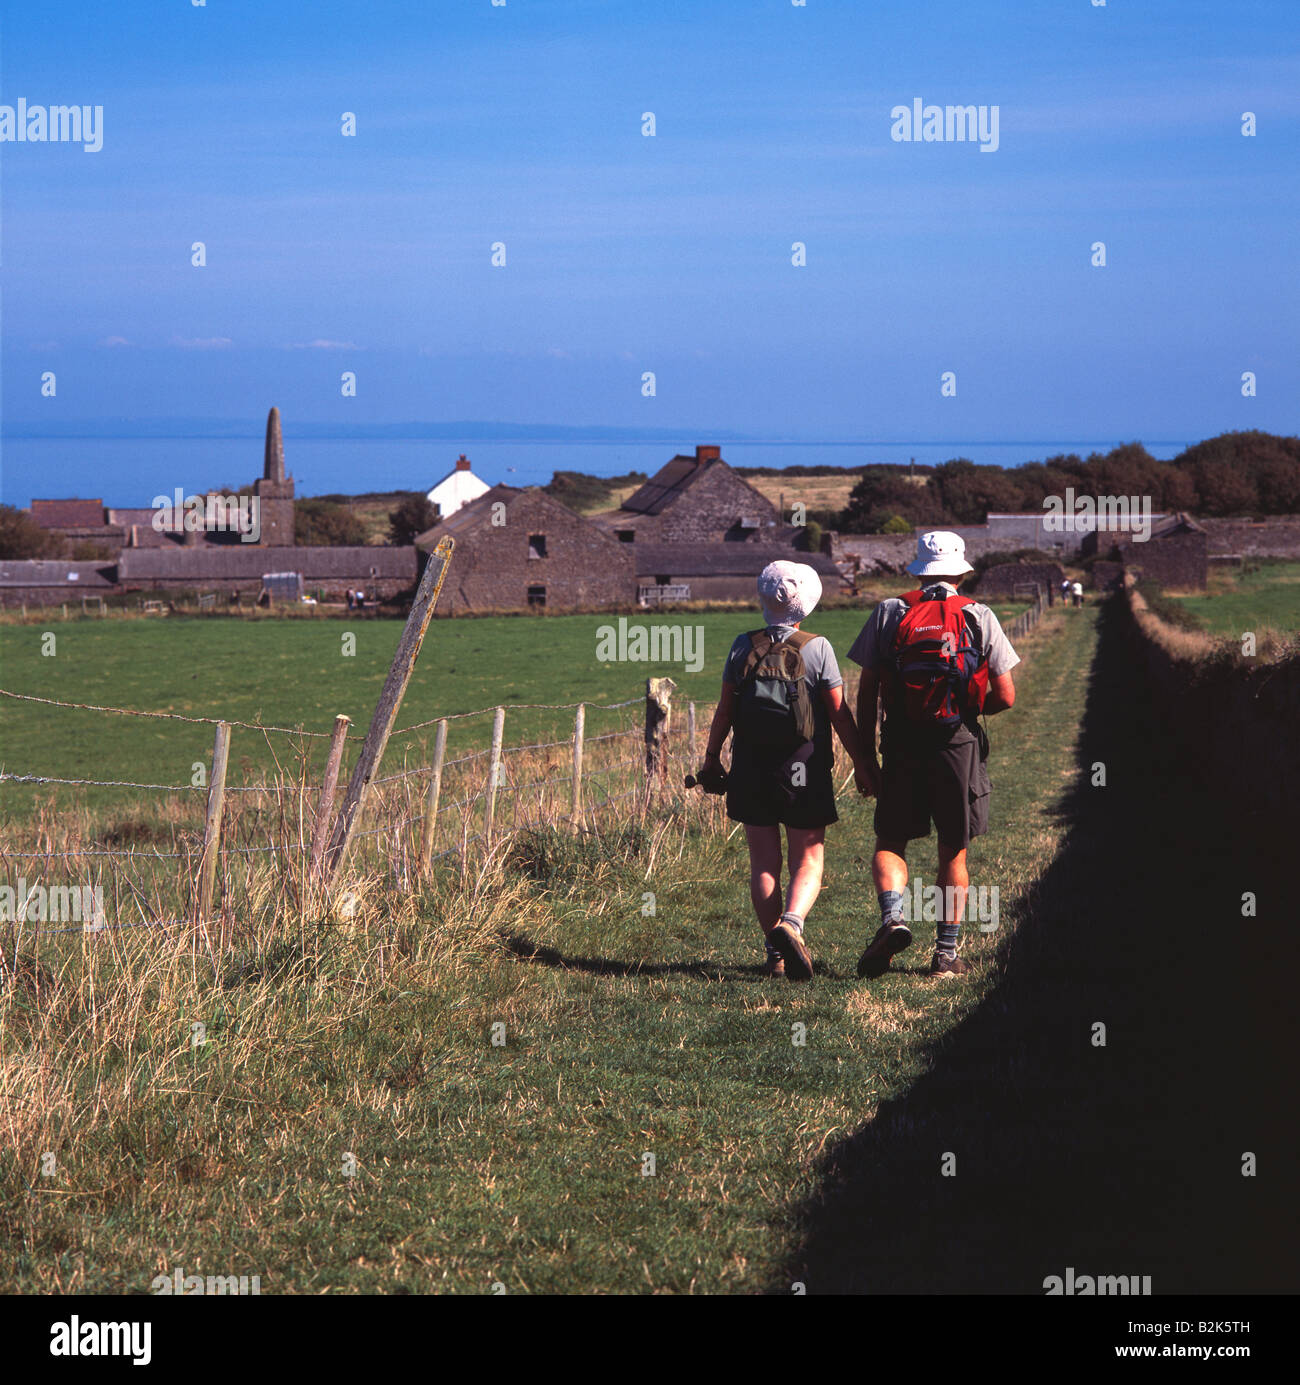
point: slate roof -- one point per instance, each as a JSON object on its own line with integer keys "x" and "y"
{"x": 1180, "y": 523}
{"x": 246, "y": 561}
{"x": 721, "y": 559}
{"x": 668, "y": 485}
{"x": 46, "y": 572}
{"x": 68, "y": 514}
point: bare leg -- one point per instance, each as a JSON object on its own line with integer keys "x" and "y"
{"x": 807, "y": 853}
{"x": 765, "y": 874}
{"x": 954, "y": 881}
{"x": 889, "y": 866}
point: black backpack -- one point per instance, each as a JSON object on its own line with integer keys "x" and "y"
{"x": 774, "y": 708}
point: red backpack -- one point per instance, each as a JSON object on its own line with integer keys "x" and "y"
{"x": 939, "y": 677}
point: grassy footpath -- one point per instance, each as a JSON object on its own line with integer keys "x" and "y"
{"x": 625, "y": 1034}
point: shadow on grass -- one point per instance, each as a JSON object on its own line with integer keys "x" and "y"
{"x": 1116, "y": 1160}
{"x": 608, "y": 966}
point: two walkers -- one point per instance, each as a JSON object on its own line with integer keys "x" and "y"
{"x": 937, "y": 660}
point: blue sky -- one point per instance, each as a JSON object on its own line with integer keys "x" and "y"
{"x": 522, "y": 123}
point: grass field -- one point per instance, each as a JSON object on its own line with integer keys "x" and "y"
{"x": 296, "y": 674}
{"x": 626, "y": 1032}
{"x": 1264, "y": 595}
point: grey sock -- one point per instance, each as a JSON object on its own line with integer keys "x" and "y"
{"x": 794, "y": 920}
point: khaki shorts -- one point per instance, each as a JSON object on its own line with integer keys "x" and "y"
{"x": 940, "y": 779}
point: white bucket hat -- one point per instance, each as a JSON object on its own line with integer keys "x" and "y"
{"x": 940, "y": 554}
{"x": 788, "y": 592}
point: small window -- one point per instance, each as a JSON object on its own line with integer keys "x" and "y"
{"x": 537, "y": 545}
{"x": 663, "y": 579}
{"x": 537, "y": 596}
{"x": 625, "y": 535}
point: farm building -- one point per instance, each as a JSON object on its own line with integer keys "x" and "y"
{"x": 457, "y": 488}
{"x": 382, "y": 573}
{"x": 697, "y": 499}
{"x": 518, "y": 548}
{"x": 715, "y": 571}
{"x": 1176, "y": 554}
{"x": 51, "y": 582}
{"x": 1010, "y": 579}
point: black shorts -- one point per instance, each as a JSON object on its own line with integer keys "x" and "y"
{"x": 942, "y": 778}
{"x": 759, "y": 792}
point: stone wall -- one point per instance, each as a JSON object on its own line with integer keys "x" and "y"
{"x": 1234, "y": 716}
{"x": 1277, "y": 537}
{"x": 491, "y": 570}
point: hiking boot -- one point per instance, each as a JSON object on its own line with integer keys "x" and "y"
{"x": 789, "y": 943}
{"x": 890, "y": 938}
{"x": 774, "y": 967}
{"x": 942, "y": 965}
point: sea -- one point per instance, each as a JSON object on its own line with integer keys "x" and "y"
{"x": 132, "y": 471}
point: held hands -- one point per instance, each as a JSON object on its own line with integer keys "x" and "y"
{"x": 866, "y": 777}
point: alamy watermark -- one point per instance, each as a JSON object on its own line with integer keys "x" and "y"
{"x": 178, "y": 1282}
{"x": 922, "y": 124}
{"x": 82, "y": 904}
{"x": 1081, "y": 514}
{"x": 233, "y": 514}
{"x": 24, "y": 124}
{"x": 651, "y": 644}
{"x": 923, "y": 903}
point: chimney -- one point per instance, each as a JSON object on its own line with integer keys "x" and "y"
{"x": 707, "y": 454}
{"x": 462, "y": 463}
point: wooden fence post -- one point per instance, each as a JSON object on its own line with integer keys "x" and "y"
{"x": 431, "y": 802}
{"x": 390, "y": 700}
{"x": 494, "y": 774}
{"x": 690, "y": 733}
{"x": 579, "y": 736}
{"x": 325, "y": 805}
{"x": 212, "y": 827}
{"x": 658, "y": 712}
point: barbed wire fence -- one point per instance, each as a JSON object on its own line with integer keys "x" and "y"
{"x": 210, "y": 848}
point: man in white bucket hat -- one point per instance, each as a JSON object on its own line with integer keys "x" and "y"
{"x": 937, "y": 660}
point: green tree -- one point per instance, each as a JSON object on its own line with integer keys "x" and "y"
{"x": 411, "y": 518}
{"x": 21, "y": 537}
{"x": 320, "y": 523}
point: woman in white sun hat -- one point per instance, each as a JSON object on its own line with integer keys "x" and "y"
{"x": 937, "y": 660}
{"x": 782, "y": 694}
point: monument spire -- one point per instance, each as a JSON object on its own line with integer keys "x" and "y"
{"x": 273, "y": 457}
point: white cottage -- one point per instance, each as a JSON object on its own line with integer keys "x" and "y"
{"x": 457, "y": 488}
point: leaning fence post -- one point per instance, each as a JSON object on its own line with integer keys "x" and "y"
{"x": 494, "y": 774}
{"x": 212, "y": 827}
{"x": 579, "y": 736}
{"x": 658, "y": 710}
{"x": 390, "y": 700}
{"x": 431, "y": 802}
{"x": 325, "y": 805}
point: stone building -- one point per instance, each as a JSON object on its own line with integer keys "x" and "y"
{"x": 1176, "y": 554}
{"x": 722, "y": 571}
{"x": 274, "y": 491}
{"x": 519, "y": 548}
{"x": 382, "y": 573}
{"x": 1002, "y": 579}
{"x": 51, "y": 582}
{"x": 697, "y": 499}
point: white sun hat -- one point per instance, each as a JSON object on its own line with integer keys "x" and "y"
{"x": 788, "y": 592}
{"x": 940, "y": 554}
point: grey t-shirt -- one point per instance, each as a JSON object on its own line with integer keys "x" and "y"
{"x": 820, "y": 667}
{"x": 873, "y": 644}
